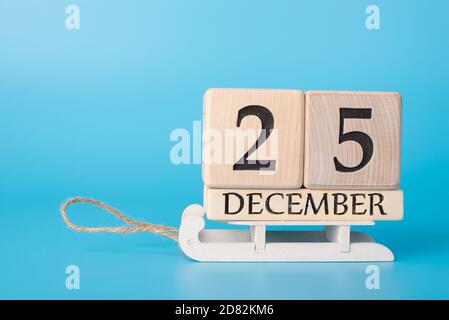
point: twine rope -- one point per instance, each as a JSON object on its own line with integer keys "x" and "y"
{"x": 137, "y": 226}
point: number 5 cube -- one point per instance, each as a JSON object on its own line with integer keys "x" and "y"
{"x": 352, "y": 140}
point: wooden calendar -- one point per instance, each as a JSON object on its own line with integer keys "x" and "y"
{"x": 285, "y": 157}
{"x": 338, "y": 155}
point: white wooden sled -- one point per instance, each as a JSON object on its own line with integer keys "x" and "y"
{"x": 336, "y": 243}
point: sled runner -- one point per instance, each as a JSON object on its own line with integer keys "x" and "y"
{"x": 336, "y": 243}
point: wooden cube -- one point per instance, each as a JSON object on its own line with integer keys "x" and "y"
{"x": 352, "y": 140}
{"x": 253, "y": 138}
{"x": 303, "y": 205}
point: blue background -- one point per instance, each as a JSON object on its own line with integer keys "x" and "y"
{"x": 89, "y": 112}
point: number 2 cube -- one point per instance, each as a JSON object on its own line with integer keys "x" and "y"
{"x": 253, "y": 138}
{"x": 352, "y": 140}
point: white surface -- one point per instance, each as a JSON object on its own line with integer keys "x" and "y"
{"x": 336, "y": 243}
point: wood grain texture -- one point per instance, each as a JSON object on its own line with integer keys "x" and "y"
{"x": 322, "y": 125}
{"x": 303, "y": 205}
{"x": 221, "y": 109}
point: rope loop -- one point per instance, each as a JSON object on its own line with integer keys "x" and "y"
{"x": 138, "y": 226}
